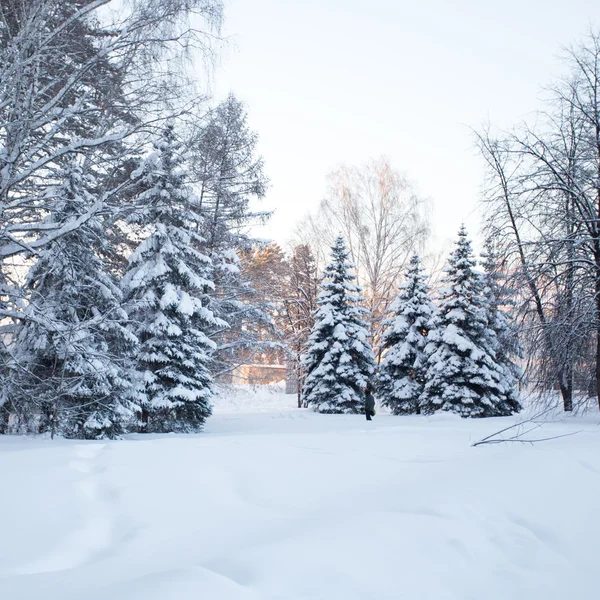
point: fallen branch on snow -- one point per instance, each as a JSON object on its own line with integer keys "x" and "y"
{"x": 522, "y": 431}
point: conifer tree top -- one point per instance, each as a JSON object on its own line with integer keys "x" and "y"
{"x": 463, "y": 282}
{"x": 338, "y": 275}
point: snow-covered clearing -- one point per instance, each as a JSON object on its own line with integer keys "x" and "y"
{"x": 274, "y": 502}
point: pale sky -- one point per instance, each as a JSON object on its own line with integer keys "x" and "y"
{"x": 340, "y": 81}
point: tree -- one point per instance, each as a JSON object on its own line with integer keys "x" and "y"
{"x": 536, "y": 262}
{"x": 402, "y": 371}
{"x": 299, "y": 307}
{"x": 499, "y": 317}
{"x": 550, "y": 200}
{"x": 228, "y": 175}
{"x": 462, "y": 374}
{"x": 383, "y": 221}
{"x": 5, "y": 405}
{"x": 166, "y": 287}
{"x": 265, "y": 269}
{"x": 68, "y": 355}
{"x": 339, "y": 361}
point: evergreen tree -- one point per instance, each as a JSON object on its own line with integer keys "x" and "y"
{"x": 299, "y": 307}
{"x": 339, "y": 361}
{"x": 462, "y": 373}
{"x": 166, "y": 287}
{"x": 401, "y": 376}
{"x": 68, "y": 364}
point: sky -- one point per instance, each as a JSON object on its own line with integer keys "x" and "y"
{"x": 334, "y": 82}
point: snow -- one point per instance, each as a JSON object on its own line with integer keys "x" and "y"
{"x": 274, "y": 502}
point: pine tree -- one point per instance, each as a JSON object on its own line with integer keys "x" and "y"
{"x": 462, "y": 373}
{"x": 339, "y": 361}
{"x": 401, "y": 375}
{"x": 229, "y": 177}
{"x": 166, "y": 287}
{"x": 68, "y": 353}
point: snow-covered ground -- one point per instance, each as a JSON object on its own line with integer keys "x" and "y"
{"x": 278, "y": 503}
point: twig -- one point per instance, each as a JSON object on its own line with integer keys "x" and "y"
{"x": 516, "y": 439}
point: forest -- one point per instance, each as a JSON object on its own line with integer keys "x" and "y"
{"x": 132, "y": 280}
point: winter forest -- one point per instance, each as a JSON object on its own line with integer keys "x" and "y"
{"x": 140, "y": 296}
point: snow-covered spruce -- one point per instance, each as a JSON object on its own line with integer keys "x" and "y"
{"x": 166, "y": 287}
{"x": 68, "y": 353}
{"x": 401, "y": 375}
{"x": 462, "y": 373}
{"x": 339, "y": 360}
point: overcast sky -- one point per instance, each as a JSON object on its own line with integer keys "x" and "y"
{"x": 339, "y": 81}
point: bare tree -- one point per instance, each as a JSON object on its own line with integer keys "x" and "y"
{"x": 384, "y": 221}
{"x": 509, "y": 225}
{"x": 544, "y": 203}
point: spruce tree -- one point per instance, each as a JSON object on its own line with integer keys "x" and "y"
{"x": 69, "y": 347}
{"x": 166, "y": 286}
{"x": 462, "y": 373}
{"x": 401, "y": 375}
{"x": 339, "y": 360}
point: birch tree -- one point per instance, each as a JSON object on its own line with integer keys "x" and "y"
{"x": 384, "y": 221}
{"x": 77, "y": 76}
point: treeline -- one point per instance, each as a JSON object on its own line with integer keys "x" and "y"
{"x": 454, "y": 355}
{"x": 124, "y": 199}
{"x": 384, "y": 222}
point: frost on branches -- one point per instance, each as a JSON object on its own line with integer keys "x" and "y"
{"x": 339, "y": 360}
{"x": 166, "y": 285}
{"x": 401, "y": 376}
{"x": 229, "y": 177}
{"x": 68, "y": 377}
{"x": 500, "y": 318}
{"x": 463, "y": 375}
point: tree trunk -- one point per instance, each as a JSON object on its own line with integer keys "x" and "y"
{"x": 144, "y": 418}
{"x": 598, "y": 336}
{"x": 54, "y": 418}
{"x": 597, "y": 287}
{"x": 4, "y": 416}
{"x": 567, "y": 394}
